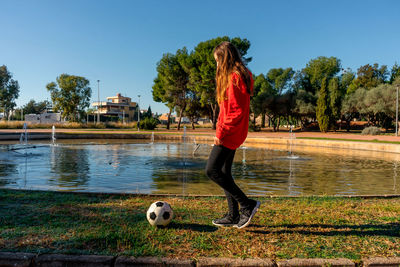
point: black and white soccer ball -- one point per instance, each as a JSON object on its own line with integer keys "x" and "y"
{"x": 159, "y": 213}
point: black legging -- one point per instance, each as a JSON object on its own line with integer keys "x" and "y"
{"x": 218, "y": 169}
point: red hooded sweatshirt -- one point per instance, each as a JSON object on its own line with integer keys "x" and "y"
{"x": 233, "y": 119}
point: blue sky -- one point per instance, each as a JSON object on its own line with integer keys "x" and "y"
{"x": 120, "y": 42}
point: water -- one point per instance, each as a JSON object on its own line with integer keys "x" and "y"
{"x": 53, "y": 135}
{"x": 123, "y": 166}
{"x": 23, "y": 139}
{"x": 291, "y": 137}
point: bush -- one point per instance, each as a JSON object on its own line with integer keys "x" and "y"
{"x": 148, "y": 123}
{"x": 372, "y": 130}
{"x": 254, "y": 127}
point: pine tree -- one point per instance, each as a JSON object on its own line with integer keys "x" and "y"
{"x": 335, "y": 102}
{"x": 323, "y": 110}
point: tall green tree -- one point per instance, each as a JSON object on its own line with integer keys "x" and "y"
{"x": 335, "y": 100}
{"x": 202, "y": 70}
{"x": 9, "y": 91}
{"x": 149, "y": 113}
{"x": 323, "y": 110}
{"x": 70, "y": 95}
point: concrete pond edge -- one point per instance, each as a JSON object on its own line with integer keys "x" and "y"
{"x": 20, "y": 259}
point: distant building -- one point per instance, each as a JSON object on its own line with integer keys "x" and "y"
{"x": 164, "y": 118}
{"x": 116, "y": 106}
{"x": 44, "y": 118}
{"x": 183, "y": 120}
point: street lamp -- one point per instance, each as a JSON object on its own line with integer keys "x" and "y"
{"x": 98, "y": 101}
{"x": 397, "y": 109}
{"x": 138, "y": 113}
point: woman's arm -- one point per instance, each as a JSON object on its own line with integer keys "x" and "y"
{"x": 235, "y": 108}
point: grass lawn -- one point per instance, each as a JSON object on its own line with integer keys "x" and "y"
{"x": 306, "y": 227}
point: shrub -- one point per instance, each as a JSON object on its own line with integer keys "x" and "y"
{"x": 148, "y": 123}
{"x": 254, "y": 127}
{"x": 372, "y": 130}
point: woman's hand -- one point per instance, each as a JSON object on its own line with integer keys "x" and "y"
{"x": 217, "y": 142}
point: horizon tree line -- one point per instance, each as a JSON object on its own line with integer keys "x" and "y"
{"x": 323, "y": 91}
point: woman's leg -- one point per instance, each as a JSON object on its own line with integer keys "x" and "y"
{"x": 232, "y": 203}
{"x": 216, "y": 161}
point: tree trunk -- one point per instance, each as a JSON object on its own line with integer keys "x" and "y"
{"x": 263, "y": 120}
{"x": 214, "y": 108}
{"x": 169, "y": 118}
{"x": 192, "y": 124}
{"x": 279, "y": 122}
{"x": 180, "y": 117}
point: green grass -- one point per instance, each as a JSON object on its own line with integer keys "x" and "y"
{"x": 305, "y": 227}
{"x": 350, "y": 140}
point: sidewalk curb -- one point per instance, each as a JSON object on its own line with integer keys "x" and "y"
{"x": 394, "y": 261}
{"x": 124, "y": 261}
{"x": 316, "y": 262}
{"x": 52, "y": 260}
{"x": 234, "y": 262}
{"x": 19, "y": 259}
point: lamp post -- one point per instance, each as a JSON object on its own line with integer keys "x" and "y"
{"x": 397, "y": 109}
{"x": 138, "y": 113}
{"x": 98, "y": 101}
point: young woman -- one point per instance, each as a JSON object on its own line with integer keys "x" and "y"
{"x": 234, "y": 87}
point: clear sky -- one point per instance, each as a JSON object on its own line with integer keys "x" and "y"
{"x": 120, "y": 42}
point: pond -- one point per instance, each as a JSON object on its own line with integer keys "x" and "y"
{"x": 140, "y": 167}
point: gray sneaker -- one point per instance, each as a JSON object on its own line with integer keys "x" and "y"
{"x": 226, "y": 221}
{"x": 246, "y": 215}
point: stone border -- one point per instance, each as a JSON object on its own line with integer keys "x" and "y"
{"x": 19, "y": 259}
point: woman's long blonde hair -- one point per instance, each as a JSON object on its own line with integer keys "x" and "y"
{"x": 229, "y": 61}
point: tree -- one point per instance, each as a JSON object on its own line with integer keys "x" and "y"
{"x": 9, "y": 91}
{"x": 368, "y": 77}
{"x": 172, "y": 79}
{"x": 380, "y": 105}
{"x": 394, "y": 73}
{"x": 318, "y": 69}
{"x": 280, "y": 79}
{"x": 161, "y": 94}
{"x": 262, "y": 94}
{"x": 308, "y": 82}
{"x": 202, "y": 67}
{"x": 323, "y": 111}
{"x": 350, "y": 106}
{"x": 149, "y": 114}
{"x": 33, "y": 107}
{"x": 335, "y": 100}
{"x": 71, "y": 95}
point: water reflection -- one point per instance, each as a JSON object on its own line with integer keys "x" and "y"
{"x": 174, "y": 168}
{"x": 70, "y": 167}
{"x": 7, "y": 172}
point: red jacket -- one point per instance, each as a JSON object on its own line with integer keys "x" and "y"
{"x": 233, "y": 119}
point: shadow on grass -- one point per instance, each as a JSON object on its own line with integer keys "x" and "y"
{"x": 193, "y": 227}
{"x": 389, "y": 229}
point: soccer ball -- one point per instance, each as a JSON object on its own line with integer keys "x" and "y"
{"x": 159, "y": 213}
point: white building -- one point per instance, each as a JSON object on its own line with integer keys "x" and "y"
{"x": 44, "y": 118}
